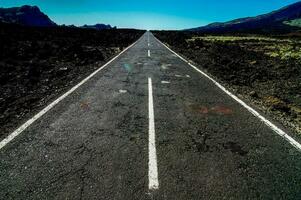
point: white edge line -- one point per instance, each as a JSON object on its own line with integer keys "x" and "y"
{"x": 18, "y": 131}
{"x": 152, "y": 163}
{"x": 276, "y": 129}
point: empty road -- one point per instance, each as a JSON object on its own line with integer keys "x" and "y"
{"x": 149, "y": 126}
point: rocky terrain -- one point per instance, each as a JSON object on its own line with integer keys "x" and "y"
{"x": 38, "y": 64}
{"x": 261, "y": 69}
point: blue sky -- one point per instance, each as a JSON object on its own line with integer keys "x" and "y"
{"x": 149, "y": 14}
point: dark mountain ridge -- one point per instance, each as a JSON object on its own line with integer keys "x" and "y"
{"x": 276, "y": 21}
{"x": 32, "y": 16}
{"x": 99, "y": 26}
{"x": 25, "y": 15}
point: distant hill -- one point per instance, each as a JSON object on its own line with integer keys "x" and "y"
{"x": 32, "y": 16}
{"x": 98, "y": 26}
{"x": 25, "y": 15}
{"x": 284, "y": 20}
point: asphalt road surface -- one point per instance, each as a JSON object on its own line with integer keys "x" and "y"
{"x": 149, "y": 126}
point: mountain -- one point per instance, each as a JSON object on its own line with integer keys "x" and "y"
{"x": 98, "y": 26}
{"x": 286, "y": 19}
{"x": 25, "y": 15}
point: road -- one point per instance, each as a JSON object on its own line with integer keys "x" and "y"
{"x": 149, "y": 126}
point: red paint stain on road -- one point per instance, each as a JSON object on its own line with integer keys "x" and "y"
{"x": 84, "y": 105}
{"x": 222, "y": 110}
{"x": 203, "y": 110}
{"x": 219, "y": 109}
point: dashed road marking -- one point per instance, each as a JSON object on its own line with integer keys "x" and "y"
{"x": 165, "y": 66}
{"x": 147, "y": 37}
{"x": 148, "y": 53}
{"x": 123, "y": 91}
{"x": 152, "y": 163}
{"x": 165, "y": 82}
{"x": 272, "y": 126}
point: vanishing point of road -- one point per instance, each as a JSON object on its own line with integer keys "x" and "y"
{"x": 149, "y": 125}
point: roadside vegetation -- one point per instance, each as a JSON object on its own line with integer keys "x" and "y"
{"x": 294, "y": 22}
{"x": 264, "y": 70}
{"x": 282, "y": 48}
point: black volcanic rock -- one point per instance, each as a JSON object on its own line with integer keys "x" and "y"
{"x": 25, "y": 15}
{"x": 271, "y": 22}
{"x": 99, "y": 26}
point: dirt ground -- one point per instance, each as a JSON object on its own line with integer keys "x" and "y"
{"x": 261, "y": 69}
{"x": 39, "y": 64}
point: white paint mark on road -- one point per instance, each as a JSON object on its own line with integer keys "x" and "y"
{"x": 276, "y": 129}
{"x": 123, "y": 91}
{"x": 147, "y": 44}
{"x": 147, "y": 37}
{"x": 187, "y": 76}
{"x": 148, "y": 53}
{"x": 165, "y": 82}
{"x": 152, "y": 162}
{"x": 177, "y": 75}
{"x": 165, "y": 66}
{"x": 18, "y": 131}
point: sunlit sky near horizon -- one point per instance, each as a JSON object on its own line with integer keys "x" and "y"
{"x": 152, "y": 14}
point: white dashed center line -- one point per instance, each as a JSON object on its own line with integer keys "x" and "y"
{"x": 152, "y": 163}
{"x": 148, "y": 53}
{"x": 123, "y": 91}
